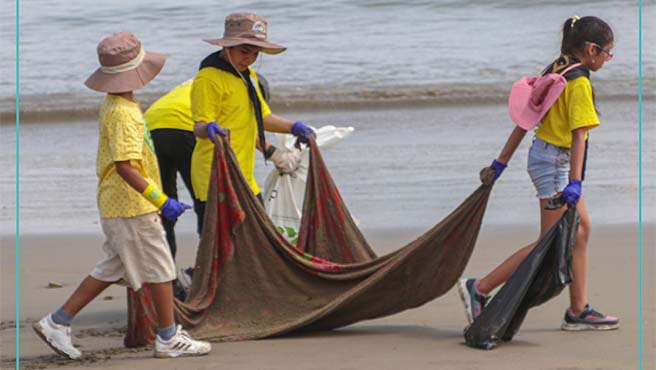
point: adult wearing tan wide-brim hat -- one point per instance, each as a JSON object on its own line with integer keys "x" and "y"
{"x": 225, "y": 96}
{"x": 246, "y": 29}
{"x": 124, "y": 65}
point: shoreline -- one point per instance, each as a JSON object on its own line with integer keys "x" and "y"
{"x": 47, "y": 108}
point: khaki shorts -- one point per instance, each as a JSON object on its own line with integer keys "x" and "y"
{"x": 136, "y": 252}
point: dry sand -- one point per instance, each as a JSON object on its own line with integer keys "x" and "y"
{"x": 429, "y": 337}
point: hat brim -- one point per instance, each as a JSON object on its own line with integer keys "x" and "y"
{"x": 523, "y": 116}
{"x": 267, "y": 47}
{"x": 129, "y": 80}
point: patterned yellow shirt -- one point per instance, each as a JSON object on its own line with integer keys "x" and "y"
{"x": 222, "y": 97}
{"x": 123, "y": 136}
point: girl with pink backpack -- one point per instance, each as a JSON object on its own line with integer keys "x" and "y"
{"x": 556, "y": 165}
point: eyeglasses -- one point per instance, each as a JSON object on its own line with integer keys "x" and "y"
{"x": 609, "y": 55}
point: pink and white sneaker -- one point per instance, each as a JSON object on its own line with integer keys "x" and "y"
{"x": 589, "y": 319}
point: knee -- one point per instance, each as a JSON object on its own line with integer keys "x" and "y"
{"x": 585, "y": 228}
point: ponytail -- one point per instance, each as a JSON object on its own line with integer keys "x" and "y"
{"x": 576, "y": 31}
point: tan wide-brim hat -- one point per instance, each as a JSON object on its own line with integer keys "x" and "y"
{"x": 124, "y": 65}
{"x": 246, "y": 29}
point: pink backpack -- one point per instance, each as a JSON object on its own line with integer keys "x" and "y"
{"x": 532, "y": 96}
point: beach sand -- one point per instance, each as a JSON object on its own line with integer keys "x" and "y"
{"x": 61, "y": 241}
{"x": 429, "y": 337}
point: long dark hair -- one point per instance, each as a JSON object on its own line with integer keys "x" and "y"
{"x": 577, "y": 31}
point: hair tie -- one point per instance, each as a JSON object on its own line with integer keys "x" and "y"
{"x": 574, "y": 19}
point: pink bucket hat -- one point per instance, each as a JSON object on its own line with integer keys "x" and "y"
{"x": 249, "y": 29}
{"x": 124, "y": 64}
{"x": 531, "y": 97}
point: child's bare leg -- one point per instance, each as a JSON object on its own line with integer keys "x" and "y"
{"x": 577, "y": 289}
{"x": 502, "y": 273}
{"x": 88, "y": 289}
{"x": 163, "y": 299}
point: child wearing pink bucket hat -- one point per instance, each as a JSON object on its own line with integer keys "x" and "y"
{"x": 129, "y": 200}
{"x": 225, "y": 95}
{"x": 556, "y": 165}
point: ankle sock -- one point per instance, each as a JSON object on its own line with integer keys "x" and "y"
{"x": 167, "y": 332}
{"x": 62, "y": 317}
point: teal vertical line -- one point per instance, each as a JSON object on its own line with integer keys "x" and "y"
{"x": 17, "y": 295}
{"x": 640, "y": 241}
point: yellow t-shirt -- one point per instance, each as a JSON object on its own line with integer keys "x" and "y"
{"x": 123, "y": 136}
{"x": 172, "y": 110}
{"x": 573, "y": 109}
{"x": 222, "y": 97}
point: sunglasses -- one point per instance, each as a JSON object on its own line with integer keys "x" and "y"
{"x": 609, "y": 55}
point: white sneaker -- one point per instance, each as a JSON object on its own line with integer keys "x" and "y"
{"x": 181, "y": 345}
{"x": 58, "y": 337}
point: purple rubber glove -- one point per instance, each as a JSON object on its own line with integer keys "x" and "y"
{"x": 498, "y": 169}
{"x": 302, "y": 132}
{"x": 172, "y": 209}
{"x": 572, "y": 192}
{"x": 214, "y": 129}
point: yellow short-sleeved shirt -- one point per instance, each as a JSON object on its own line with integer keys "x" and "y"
{"x": 573, "y": 109}
{"x": 172, "y": 110}
{"x": 123, "y": 136}
{"x": 222, "y": 97}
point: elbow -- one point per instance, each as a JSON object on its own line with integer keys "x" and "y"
{"x": 123, "y": 168}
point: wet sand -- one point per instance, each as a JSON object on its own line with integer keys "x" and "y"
{"x": 422, "y": 338}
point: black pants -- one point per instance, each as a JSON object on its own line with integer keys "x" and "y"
{"x": 201, "y": 209}
{"x": 173, "y": 149}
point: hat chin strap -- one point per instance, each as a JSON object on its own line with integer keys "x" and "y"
{"x": 227, "y": 52}
{"x": 127, "y": 66}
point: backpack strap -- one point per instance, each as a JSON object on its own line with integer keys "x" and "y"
{"x": 570, "y": 68}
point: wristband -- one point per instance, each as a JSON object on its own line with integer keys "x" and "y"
{"x": 154, "y": 195}
{"x": 269, "y": 152}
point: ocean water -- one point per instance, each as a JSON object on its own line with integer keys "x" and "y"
{"x": 429, "y": 79}
{"x": 402, "y": 168}
{"x": 367, "y": 50}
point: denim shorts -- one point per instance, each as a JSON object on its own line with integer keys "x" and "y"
{"x": 548, "y": 166}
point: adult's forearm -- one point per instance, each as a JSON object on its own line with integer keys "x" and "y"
{"x": 275, "y": 123}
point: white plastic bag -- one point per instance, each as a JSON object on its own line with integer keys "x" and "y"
{"x": 284, "y": 193}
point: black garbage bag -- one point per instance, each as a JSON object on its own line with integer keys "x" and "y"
{"x": 541, "y": 276}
